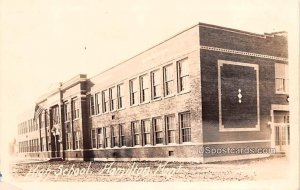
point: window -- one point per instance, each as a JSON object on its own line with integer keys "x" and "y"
{"x": 105, "y": 100}
{"x": 93, "y": 137}
{"x": 113, "y": 98}
{"x": 120, "y": 94}
{"x": 135, "y": 133}
{"x": 156, "y": 84}
{"x": 183, "y": 75}
{"x": 133, "y": 85}
{"x": 281, "y": 78}
{"x": 114, "y": 136}
{"x": 77, "y": 140}
{"x": 69, "y": 140}
{"x": 158, "y": 131}
{"x": 168, "y": 80}
{"x": 185, "y": 126}
{"x": 92, "y": 105}
{"x": 106, "y": 137}
{"x": 144, "y": 83}
{"x": 170, "y": 126}
{"x": 122, "y": 135}
{"x": 99, "y": 138}
{"x": 67, "y": 111}
{"x": 97, "y": 103}
{"x": 55, "y": 115}
{"x": 75, "y": 108}
{"x": 146, "y": 132}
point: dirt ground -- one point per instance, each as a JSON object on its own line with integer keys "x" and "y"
{"x": 258, "y": 169}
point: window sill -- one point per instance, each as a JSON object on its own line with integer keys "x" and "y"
{"x": 169, "y": 96}
{"x": 135, "y": 105}
{"x": 282, "y": 93}
{"x": 183, "y": 92}
{"x": 143, "y": 103}
{"x": 157, "y": 99}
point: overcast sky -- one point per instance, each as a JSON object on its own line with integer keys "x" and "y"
{"x": 43, "y": 42}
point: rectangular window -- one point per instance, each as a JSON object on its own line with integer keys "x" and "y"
{"x": 114, "y": 136}
{"x": 105, "y": 101}
{"x": 281, "y": 78}
{"x": 99, "y": 138}
{"x": 156, "y": 84}
{"x": 97, "y": 103}
{"x": 168, "y": 80}
{"x": 94, "y": 139}
{"x": 135, "y": 133}
{"x": 120, "y": 94}
{"x": 133, "y": 85}
{"x": 183, "y": 75}
{"x": 146, "y": 132}
{"x": 144, "y": 84}
{"x": 75, "y": 108}
{"x": 92, "y": 105}
{"x": 77, "y": 139}
{"x": 107, "y": 137}
{"x": 170, "y": 126}
{"x": 55, "y": 115}
{"x": 69, "y": 140}
{"x": 122, "y": 135}
{"x": 66, "y": 111}
{"x": 158, "y": 130}
{"x": 112, "y": 98}
{"x": 185, "y": 126}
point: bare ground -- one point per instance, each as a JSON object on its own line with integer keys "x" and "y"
{"x": 257, "y": 169}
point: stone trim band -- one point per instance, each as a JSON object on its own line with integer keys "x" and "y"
{"x": 243, "y": 53}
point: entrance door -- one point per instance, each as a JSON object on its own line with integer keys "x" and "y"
{"x": 282, "y": 130}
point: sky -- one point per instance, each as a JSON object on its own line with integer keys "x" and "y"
{"x": 47, "y": 41}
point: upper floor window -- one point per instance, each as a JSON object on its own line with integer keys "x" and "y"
{"x": 97, "y": 103}
{"x": 105, "y": 100}
{"x": 120, "y": 94}
{"x": 92, "y": 105}
{"x": 144, "y": 83}
{"x": 156, "y": 84}
{"x": 112, "y": 98}
{"x": 168, "y": 80}
{"x": 183, "y": 75}
{"x": 75, "y": 108}
{"x": 55, "y": 115}
{"x": 133, "y": 85}
{"x": 281, "y": 78}
{"x": 67, "y": 111}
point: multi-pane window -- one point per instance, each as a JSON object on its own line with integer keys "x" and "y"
{"x": 122, "y": 135}
{"x": 281, "y": 78}
{"x": 93, "y": 138}
{"x": 55, "y": 115}
{"x": 99, "y": 138}
{"x": 120, "y": 94}
{"x": 97, "y": 103}
{"x": 114, "y": 136}
{"x": 75, "y": 108}
{"x": 185, "y": 126}
{"x": 67, "y": 111}
{"x": 156, "y": 84}
{"x": 168, "y": 80}
{"x": 170, "y": 126}
{"x": 135, "y": 133}
{"x": 77, "y": 139}
{"x": 144, "y": 83}
{"x": 146, "y": 132}
{"x": 133, "y": 85}
{"x": 112, "y": 98}
{"x": 92, "y": 105}
{"x": 158, "y": 130}
{"x": 68, "y": 136}
{"x": 107, "y": 137}
{"x": 105, "y": 100}
{"x": 183, "y": 75}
